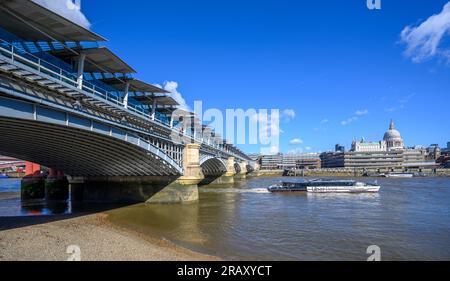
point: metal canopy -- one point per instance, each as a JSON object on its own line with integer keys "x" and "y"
{"x": 167, "y": 110}
{"x": 167, "y": 101}
{"x": 33, "y": 22}
{"x": 135, "y": 85}
{"x": 98, "y": 60}
{"x": 160, "y": 100}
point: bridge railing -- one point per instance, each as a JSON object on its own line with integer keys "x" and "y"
{"x": 19, "y": 55}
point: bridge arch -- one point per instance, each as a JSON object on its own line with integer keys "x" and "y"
{"x": 76, "y": 144}
{"x": 212, "y": 166}
{"x": 237, "y": 167}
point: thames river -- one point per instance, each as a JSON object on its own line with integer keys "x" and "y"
{"x": 409, "y": 219}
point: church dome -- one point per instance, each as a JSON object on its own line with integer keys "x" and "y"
{"x": 393, "y": 138}
{"x": 392, "y": 134}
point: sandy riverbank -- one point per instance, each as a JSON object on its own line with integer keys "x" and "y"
{"x": 47, "y": 239}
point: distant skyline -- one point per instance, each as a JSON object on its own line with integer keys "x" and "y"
{"x": 339, "y": 70}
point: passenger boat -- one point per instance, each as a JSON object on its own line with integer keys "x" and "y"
{"x": 326, "y": 186}
{"x": 399, "y": 175}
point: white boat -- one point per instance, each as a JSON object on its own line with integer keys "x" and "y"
{"x": 399, "y": 175}
{"x": 326, "y": 186}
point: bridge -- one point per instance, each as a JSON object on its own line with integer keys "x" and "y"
{"x": 75, "y": 107}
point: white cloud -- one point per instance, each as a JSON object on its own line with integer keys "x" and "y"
{"x": 172, "y": 87}
{"x": 324, "y": 121}
{"x": 288, "y": 114}
{"x": 296, "y": 141}
{"x": 358, "y": 114}
{"x": 423, "y": 41}
{"x": 349, "y": 120}
{"x": 308, "y": 148}
{"x": 67, "y": 9}
{"x": 361, "y": 112}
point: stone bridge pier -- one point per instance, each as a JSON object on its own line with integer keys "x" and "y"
{"x": 185, "y": 188}
{"x": 242, "y": 171}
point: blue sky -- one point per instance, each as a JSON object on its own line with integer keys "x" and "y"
{"x": 341, "y": 67}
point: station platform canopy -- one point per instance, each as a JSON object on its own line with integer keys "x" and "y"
{"x": 136, "y": 85}
{"x": 32, "y": 22}
{"x": 150, "y": 99}
{"x": 98, "y": 60}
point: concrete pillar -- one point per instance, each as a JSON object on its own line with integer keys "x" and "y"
{"x": 80, "y": 73}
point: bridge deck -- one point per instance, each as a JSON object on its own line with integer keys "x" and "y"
{"x": 35, "y": 70}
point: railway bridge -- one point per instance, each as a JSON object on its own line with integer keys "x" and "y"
{"x": 75, "y": 107}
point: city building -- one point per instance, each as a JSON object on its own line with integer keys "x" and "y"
{"x": 271, "y": 162}
{"x": 362, "y": 160}
{"x": 332, "y": 159}
{"x": 414, "y": 155}
{"x": 373, "y": 160}
{"x": 339, "y": 148}
{"x": 388, "y": 154}
{"x": 363, "y": 146}
{"x": 434, "y": 152}
{"x": 308, "y": 161}
{"x": 290, "y": 161}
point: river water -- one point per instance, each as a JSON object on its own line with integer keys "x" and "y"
{"x": 409, "y": 219}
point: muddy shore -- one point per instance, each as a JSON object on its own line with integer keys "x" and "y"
{"x": 48, "y": 239}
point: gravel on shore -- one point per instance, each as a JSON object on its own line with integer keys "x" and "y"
{"x": 48, "y": 239}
